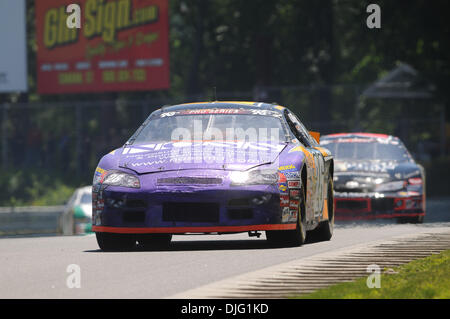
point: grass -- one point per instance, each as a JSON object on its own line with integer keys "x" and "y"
{"x": 427, "y": 278}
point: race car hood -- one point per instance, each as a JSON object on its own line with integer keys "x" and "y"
{"x": 366, "y": 173}
{"x": 393, "y": 168}
{"x": 150, "y": 158}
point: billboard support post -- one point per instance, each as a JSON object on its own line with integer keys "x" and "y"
{"x": 5, "y": 136}
{"x": 79, "y": 137}
{"x": 443, "y": 142}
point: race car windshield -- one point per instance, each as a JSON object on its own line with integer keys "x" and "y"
{"x": 368, "y": 151}
{"x": 217, "y": 127}
{"x": 86, "y": 198}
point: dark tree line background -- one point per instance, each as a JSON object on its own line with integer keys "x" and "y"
{"x": 315, "y": 57}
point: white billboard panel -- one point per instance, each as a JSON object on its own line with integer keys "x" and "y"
{"x": 13, "y": 48}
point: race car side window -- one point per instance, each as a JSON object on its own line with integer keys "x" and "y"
{"x": 296, "y": 128}
{"x": 305, "y": 132}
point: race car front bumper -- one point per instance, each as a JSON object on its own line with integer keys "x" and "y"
{"x": 374, "y": 206}
{"x": 176, "y": 211}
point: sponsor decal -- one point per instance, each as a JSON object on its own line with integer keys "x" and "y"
{"x": 292, "y": 215}
{"x": 222, "y": 111}
{"x": 204, "y": 111}
{"x": 356, "y": 140}
{"x": 293, "y": 204}
{"x": 294, "y": 184}
{"x": 169, "y": 146}
{"x": 283, "y": 188}
{"x": 282, "y": 177}
{"x": 102, "y": 177}
{"x": 284, "y": 201}
{"x": 146, "y": 155}
{"x": 285, "y": 215}
{"x": 287, "y": 168}
{"x": 368, "y": 167}
{"x": 294, "y": 194}
{"x": 292, "y": 175}
{"x": 99, "y": 171}
{"x": 98, "y": 175}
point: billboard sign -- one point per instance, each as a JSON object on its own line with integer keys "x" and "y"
{"x": 121, "y": 45}
{"x": 13, "y": 52}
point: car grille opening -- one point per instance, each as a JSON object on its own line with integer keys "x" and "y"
{"x": 239, "y": 202}
{"x": 189, "y": 181}
{"x": 133, "y": 216}
{"x": 351, "y": 205}
{"x": 191, "y": 212}
{"x": 243, "y": 213}
{"x": 136, "y": 203}
{"x": 383, "y": 204}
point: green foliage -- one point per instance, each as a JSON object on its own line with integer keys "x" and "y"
{"x": 420, "y": 279}
{"x": 28, "y": 187}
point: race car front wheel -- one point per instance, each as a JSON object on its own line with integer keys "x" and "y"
{"x": 115, "y": 242}
{"x": 154, "y": 241}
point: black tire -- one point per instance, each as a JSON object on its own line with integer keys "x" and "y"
{"x": 410, "y": 220}
{"x": 417, "y": 219}
{"x": 115, "y": 242}
{"x": 324, "y": 230}
{"x": 154, "y": 241}
{"x": 291, "y": 238}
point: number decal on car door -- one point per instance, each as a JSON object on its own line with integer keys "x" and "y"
{"x": 319, "y": 170}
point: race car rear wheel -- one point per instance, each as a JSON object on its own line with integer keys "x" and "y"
{"x": 115, "y": 242}
{"x": 154, "y": 241}
{"x": 295, "y": 237}
{"x": 324, "y": 231}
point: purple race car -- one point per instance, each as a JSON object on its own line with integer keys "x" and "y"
{"x": 213, "y": 168}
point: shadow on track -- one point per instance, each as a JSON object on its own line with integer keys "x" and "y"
{"x": 199, "y": 245}
{"x": 208, "y": 245}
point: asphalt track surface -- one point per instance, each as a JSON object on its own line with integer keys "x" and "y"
{"x": 36, "y": 267}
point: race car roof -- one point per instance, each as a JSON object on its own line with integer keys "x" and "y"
{"x": 224, "y": 105}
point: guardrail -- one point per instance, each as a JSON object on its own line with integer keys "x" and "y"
{"x": 38, "y": 220}
{"x": 41, "y": 220}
